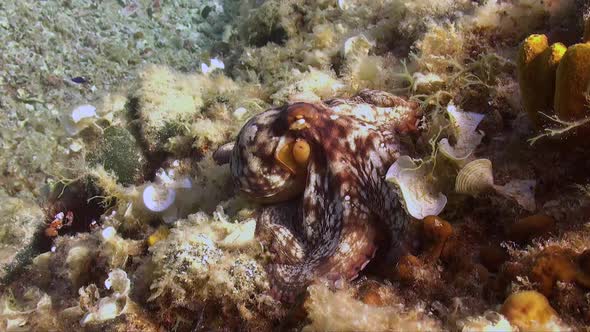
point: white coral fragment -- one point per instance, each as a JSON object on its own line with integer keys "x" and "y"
{"x": 419, "y": 196}
{"x": 464, "y": 125}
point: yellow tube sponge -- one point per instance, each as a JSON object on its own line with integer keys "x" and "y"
{"x": 571, "y": 85}
{"x": 537, "y": 65}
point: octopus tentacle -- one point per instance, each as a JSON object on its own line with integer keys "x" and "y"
{"x": 276, "y": 227}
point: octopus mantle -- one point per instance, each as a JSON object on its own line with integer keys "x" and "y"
{"x": 319, "y": 169}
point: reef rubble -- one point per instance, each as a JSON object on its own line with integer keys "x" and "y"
{"x": 143, "y": 143}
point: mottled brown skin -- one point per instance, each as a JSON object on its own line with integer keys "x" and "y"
{"x": 321, "y": 221}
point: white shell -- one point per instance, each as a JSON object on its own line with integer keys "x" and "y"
{"x": 158, "y": 199}
{"x": 419, "y": 197}
{"x": 343, "y": 4}
{"x": 80, "y": 118}
{"x": 108, "y": 233}
{"x": 83, "y": 112}
{"x": 522, "y": 191}
{"x": 475, "y": 178}
{"x": 217, "y": 64}
{"x": 240, "y": 112}
{"x": 464, "y": 125}
{"x": 118, "y": 281}
{"x": 241, "y": 236}
{"x": 357, "y": 45}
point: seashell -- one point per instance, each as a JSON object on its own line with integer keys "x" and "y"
{"x": 418, "y": 195}
{"x": 242, "y": 236}
{"x": 213, "y": 65}
{"x": 157, "y": 199}
{"x": 343, "y": 4}
{"x": 476, "y": 177}
{"x": 118, "y": 282}
{"x": 522, "y": 191}
{"x": 239, "y": 113}
{"x": 80, "y": 118}
{"x": 357, "y": 45}
{"x": 464, "y": 125}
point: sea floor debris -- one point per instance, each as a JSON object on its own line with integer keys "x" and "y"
{"x": 119, "y": 211}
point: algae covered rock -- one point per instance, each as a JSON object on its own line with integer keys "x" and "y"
{"x": 162, "y": 101}
{"x": 118, "y": 152}
{"x": 20, "y": 222}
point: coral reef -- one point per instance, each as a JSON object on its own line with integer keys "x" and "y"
{"x": 120, "y": 213}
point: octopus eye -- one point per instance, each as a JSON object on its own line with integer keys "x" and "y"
{"x": 293, "y": 155}
{"x": 301, "y": 152}
{"x": 284, "y": 155}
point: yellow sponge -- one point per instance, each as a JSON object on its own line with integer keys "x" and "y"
{"x": 537, "y": 65}
{"x": 571, "y": 85}
{"x": 528, "y": 310}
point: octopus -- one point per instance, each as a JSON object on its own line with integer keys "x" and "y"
{"x": 319, "y": 171}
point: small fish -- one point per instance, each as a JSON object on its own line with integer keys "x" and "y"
{"x": 80, "y": 79}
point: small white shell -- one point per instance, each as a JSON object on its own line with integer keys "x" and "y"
{"x": 158, "y": 199}
{"x": 108, "y": 233}
{"x": 464, "y": 125}
{"x": 118, "y": 281}
{"x": 240, "y": 112}
{"x": 343, "y": 4}
{"x": 476, "y": 177}
{"x": 80, "y": 118}
{"x": 83, "y": 112}
{"x": 419, "y": 197}
{"x": 522, "y": 191}
{"x": 357, "y": 45}
{"x": 241, "y": 236}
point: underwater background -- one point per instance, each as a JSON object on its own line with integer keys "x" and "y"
{"x": 137, "y": 195}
